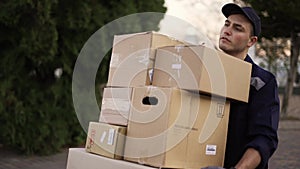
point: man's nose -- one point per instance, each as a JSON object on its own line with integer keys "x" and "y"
{"x": 227, "y": 30}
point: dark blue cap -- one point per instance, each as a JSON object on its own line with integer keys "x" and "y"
{"x": 249, "y": 12}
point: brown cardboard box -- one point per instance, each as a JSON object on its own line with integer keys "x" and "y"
{"x": 133, "y": 56}
{"x": 106, "y": 140}
{"x": 78, "y": 158}
{"x": 115, "y": 106}
{"x": 204, "y": 69}
{"x": 174, "y": 128}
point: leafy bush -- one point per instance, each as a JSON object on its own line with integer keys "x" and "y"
{"x": 37, "y": 38}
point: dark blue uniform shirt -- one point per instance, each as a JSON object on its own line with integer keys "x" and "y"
{"x": 254, "y": 124}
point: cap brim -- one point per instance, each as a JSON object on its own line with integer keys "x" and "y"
{"x": 232, "y": 8}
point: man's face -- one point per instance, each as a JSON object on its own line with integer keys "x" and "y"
{"x": 235, "y": 37}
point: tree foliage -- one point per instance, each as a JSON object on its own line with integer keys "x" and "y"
{"x": 37, "y": 39}
{"x": 281, "y": 19}
{"x": 274, "y": 54}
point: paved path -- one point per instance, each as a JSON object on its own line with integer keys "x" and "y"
{"x": 286, "y": 156}
{"x": 288, "y": 153}
{"x": 11, "y": 160}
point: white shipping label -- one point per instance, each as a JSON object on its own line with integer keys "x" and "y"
{"x": 102, "y": 137}
{"x": 111, "y": 135}
{"x": 120, "y": 105}
{"x": 176, "y": 66}
{"x": 211, "y": 150}
{"x": 220, "y": 110}
{"x": 143, "y": 59}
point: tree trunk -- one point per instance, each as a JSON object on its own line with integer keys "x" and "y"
{"x": 295, "y": 41}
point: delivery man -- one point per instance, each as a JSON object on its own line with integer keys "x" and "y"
{"x": 252, "y": 130}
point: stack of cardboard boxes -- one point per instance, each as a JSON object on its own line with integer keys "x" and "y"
{"x": 166, "y": 105}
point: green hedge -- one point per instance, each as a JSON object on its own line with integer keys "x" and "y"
{"x": 36, "y": 38}
{"x": 39, "y": 122}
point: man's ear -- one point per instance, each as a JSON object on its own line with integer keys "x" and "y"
{"x": 252, "y": 40}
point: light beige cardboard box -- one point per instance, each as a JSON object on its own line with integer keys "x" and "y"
{"x": 115, "y": 106}
{"x": 174, "y": 128}
{"x": 106, "y": 140}
{"x": 204, "y": 69}
{"x": 132, "y": 58}
{"x": 78, "y": 158}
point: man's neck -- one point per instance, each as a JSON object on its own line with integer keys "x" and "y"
{"x": 241, "y": 55}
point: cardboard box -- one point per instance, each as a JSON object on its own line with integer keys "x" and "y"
{"x": 204, "y": 69}
{"x": 115, "y": 106}
{"x": 106, "y": 140}
{"x": 78, "y": 158}
{"x": 132, "y": 58}
{"x": 173, "y": 128}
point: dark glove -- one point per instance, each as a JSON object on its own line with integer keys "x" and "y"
{"x": 213, "y": 167}
{"x": 216, "y": 167}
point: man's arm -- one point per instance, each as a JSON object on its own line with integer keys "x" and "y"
{"x": 250, "y": 159}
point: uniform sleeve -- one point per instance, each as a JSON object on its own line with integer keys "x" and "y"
{"x": 263, "y": 120}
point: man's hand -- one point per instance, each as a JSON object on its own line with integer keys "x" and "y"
{"x": 213, "y": 167}
{"x": 216, "y": 167}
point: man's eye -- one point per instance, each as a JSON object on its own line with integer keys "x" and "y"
{"x": 238, "y": 28}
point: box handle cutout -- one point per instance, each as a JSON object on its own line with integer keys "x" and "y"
{"x": 150, "y": 100}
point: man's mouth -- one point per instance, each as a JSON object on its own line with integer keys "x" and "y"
{"x": 226, "y": 39}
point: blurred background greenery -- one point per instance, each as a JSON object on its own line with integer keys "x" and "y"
{"x": 39, "y": 45}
